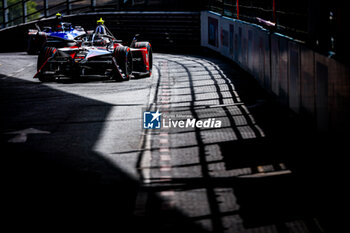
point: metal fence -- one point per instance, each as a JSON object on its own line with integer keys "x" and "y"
{"x": 14, "y": 12}
{"x": 322, "y": 25}
{"x": 289, "y": 17}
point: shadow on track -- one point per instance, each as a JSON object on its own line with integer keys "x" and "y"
{"x": 56, "y": 182}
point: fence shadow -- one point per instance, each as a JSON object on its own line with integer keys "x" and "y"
{"x": 271, "y": 157}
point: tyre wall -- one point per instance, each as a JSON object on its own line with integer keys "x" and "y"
{"x": 311, "y": 84}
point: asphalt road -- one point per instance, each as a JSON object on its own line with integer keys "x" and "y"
{"x": 75, "y": 154}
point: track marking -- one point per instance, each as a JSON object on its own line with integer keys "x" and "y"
{"x": 15, "y": 73}
{"x": 165, "y": 157}
{"x": 164, "y": 141}
{"x": 21, "y": 135}
{"x": 145, "y": 163}
{"x": 266, "y": 174}
{"x": 161, "y": 97}
{"x": 163, "y": 134}
{"x": 168, "y": 205}
{"x": 140, "y": 203}
{"x": 167, "y": 193}
{"x": 165, "y": 168}
{"x": 164, "y": 178}
{"x": 164, "y": 150}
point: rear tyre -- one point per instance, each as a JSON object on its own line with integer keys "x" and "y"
{"x": 149, "y": 62}
{"x": 44, "y": 54}
{"x": 123, "y": 57}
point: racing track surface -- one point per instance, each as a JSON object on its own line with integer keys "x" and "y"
{"x": 74, "y": 154}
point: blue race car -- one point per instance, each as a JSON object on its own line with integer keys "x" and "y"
{"x": 61, "y": 34}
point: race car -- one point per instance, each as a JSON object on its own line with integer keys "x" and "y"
{"x": 63, "y": 31}
{"x": 95, "y": 54}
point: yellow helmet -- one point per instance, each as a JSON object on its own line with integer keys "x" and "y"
{"x": 100, "y": 21}
{"x": 58, "y": 14}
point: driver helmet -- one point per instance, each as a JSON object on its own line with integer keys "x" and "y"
{"x": 58, "y": 25}
{"x": 100, "y": 29}
{"x": 58, "y": 16}
{"x": 100, "y": 21}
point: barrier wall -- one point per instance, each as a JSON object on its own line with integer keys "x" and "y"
{"x": 310, "y": 83}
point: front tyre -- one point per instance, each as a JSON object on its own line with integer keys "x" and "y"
{"x": 123, "y": 58}
{"x": 44, "y": 55}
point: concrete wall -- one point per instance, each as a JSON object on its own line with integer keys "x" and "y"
{"x": 308, "y": 82}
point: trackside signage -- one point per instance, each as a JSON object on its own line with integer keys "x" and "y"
{"x": 157, "y": 120}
